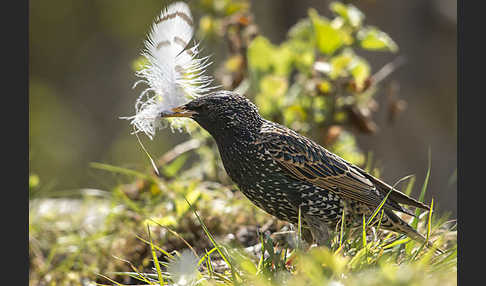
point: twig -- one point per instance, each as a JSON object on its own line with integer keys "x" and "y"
{"x": 386, "y": 70}
{"x": 179, "y": 150}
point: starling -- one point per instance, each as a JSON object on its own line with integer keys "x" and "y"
{"x": 281, "y": 171}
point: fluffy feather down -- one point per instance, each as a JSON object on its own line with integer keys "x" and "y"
{"x": 174, "y": 73}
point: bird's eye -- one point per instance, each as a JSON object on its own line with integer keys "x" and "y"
{"x": 200, "y": 108}
{"x": 194, "y": 106}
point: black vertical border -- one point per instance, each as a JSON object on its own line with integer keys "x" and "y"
{"x": 14, "y": 201}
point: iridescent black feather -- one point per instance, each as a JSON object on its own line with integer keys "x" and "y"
{"x": 281, "y": 171}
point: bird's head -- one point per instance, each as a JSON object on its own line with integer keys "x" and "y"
{"x": 221, "y": 113}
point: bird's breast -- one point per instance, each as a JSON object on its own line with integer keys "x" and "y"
{"x": 244, "y": 163}
{"x": 261, "y": 179}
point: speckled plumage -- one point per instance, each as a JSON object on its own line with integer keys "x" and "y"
{"x": 280, "y": 170}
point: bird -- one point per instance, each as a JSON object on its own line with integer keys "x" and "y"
{"x": 282, "y": 171}
{"x": 279, "y": 170}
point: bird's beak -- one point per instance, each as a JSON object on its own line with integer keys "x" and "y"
{"x": 179, "y": 111}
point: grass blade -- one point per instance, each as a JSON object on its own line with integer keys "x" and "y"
{"x": 369, "y": 161}
{"x": 213, "y": 241}
{"x": 411, "y": 183}
{"x": 120, "y": 170}
{"x": 148, "y": 155}
{"x": 299, "y": 229}
{"x": 415, "y": 220}
{"x": 156, "y": 260}
{"x": 386, "y": 197}
{"x": 397, "y": 242}
{"x": 177, "y": 235}
{"x": 208, "y": 262}
{"x": 208, "y": 253}
{"x": 341, "y": 234}
{"x": 111, "y": 280}
{"x": 379, "y": 221}
{"x": 378, "y": 208}
{"x": 429, "y": 221}
{"x": 156, "y": 247}
{"x": 363, "y": 233}
{"x": 139, "y": 276}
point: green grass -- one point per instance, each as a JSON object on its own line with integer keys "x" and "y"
{"x": 155, "y": 231}
{"x": 378, "y": 262}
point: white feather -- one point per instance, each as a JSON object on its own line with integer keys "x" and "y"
{"x": 174, "y": 73}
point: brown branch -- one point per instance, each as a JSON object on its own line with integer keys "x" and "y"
{"x": 178, "y": 150}
{"x": 386, "y": 70}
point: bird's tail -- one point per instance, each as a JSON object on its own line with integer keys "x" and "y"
{"x": 394, "y": 223}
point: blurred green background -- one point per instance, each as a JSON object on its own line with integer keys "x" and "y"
{"x": 81, "y": 78}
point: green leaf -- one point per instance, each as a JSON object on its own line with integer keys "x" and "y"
{"x": 265, "y": 57}
{"x": 328, "y": 38}
{"x": 340, "y": 64}
{"x": 324, "y": 86}
{"x": 33, "y": 181}
{"x": 302, "y": 31}
{"x": 373, "y": 39}
{"x": 360, "y": 70}
{"x": 282, "y": 59}
{"x": 234, "y": 7}
{"x": 207, "y": 25}
{"x": 302, "y": 42}
{"x": 260, "y": 53}
{"x": 274, "y": 85}
{"x": 294, "y": 113}
{"x": 271, "y": 96}
{"x": 348, "y": 63}
{"x": 171, "y": 169}
{"x": 346, "y": 147}
{"x": 352, "y": 15}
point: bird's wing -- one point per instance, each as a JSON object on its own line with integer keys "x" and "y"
{"x": 395, "y": 195}
{"x": 305, "y": 160}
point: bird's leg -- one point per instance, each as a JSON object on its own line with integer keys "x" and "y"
{"x": 289, "y": 238}
{"x": 321, "y": 235}
{"x": 285, "y": 238}
{"x": 319, "y": 230}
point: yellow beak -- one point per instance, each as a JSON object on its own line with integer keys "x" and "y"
{"x": 180, "y": 111}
